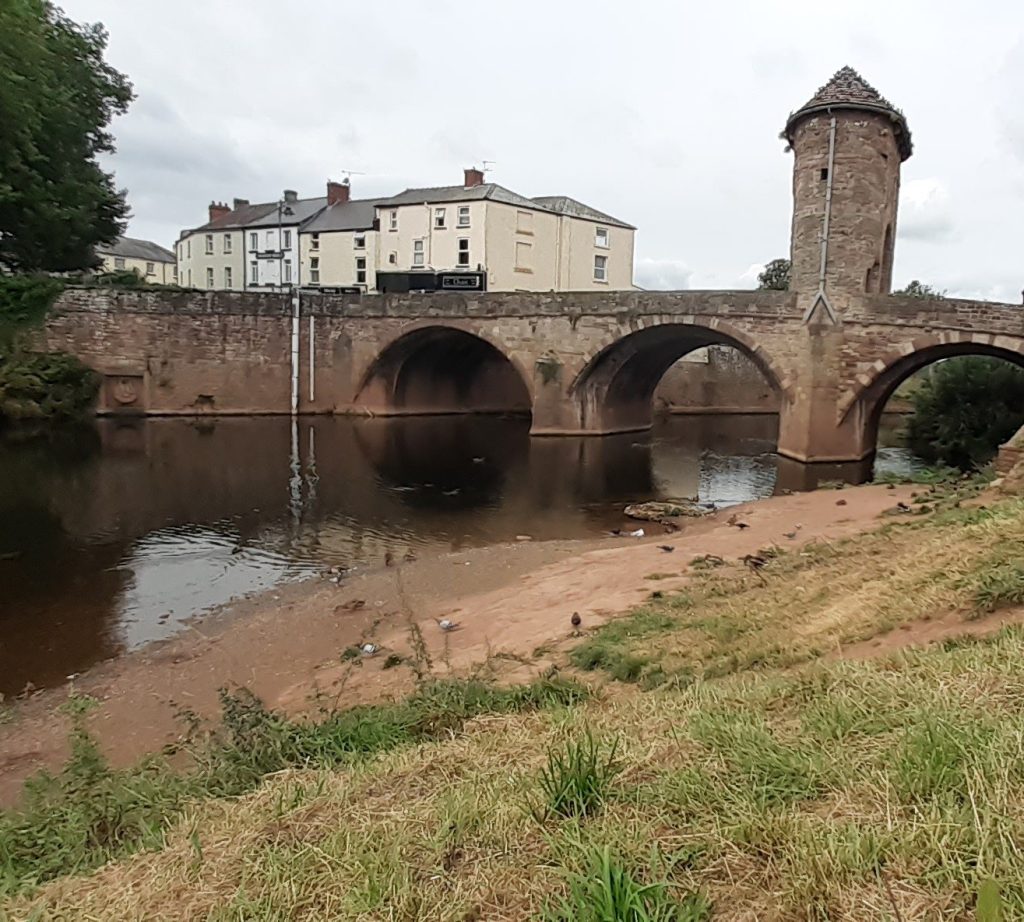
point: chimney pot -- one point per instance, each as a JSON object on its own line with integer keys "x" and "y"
{"x": 239, "y": 203}
{"x": 218, "y": 210}
{"x": 338, "y": 192}
{"x": 473, "y": 177}
{"x": 290, "y": 195}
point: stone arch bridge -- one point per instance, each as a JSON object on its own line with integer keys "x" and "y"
{"x": 579, "y": 363}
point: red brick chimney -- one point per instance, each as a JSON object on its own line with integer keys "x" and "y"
{"x": 474, "y": 177}
{"x": 337, "y": 192}
{"x": 218, "y": 210}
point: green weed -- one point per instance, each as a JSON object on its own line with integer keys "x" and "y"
{"x": 576, "y": 777}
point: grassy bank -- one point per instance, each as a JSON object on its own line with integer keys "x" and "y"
{"x": 728, "y": 767}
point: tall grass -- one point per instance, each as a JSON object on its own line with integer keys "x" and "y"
{"x": 89, "y": 812}
{"x": 576, "y": 777}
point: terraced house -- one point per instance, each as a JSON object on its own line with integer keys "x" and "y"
{"x": 473, "y": 235}
{"x": 148, "y": 260}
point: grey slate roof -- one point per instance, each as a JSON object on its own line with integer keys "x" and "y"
{"x": 357, "y": 214}
{"x": 234, "y": 219}
{"x": 559, "y": 204}
{"x": 133, "y": 248}
{"x": 849, "y": 90}
{"x": 441, "y": 194}
{"x": 563, "y": 204}
{"x": 302, "y": 210}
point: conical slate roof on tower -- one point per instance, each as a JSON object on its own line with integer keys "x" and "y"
{"x": 849, "y": 90}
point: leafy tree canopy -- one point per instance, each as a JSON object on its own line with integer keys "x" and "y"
{"x": 57, "y": 97}
{"x": 775, "y": 275}
{"x": 918, "y": 289}
{"x": 965, "y": 410}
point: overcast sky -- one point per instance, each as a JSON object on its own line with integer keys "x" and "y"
{"x": 664, "y": 113}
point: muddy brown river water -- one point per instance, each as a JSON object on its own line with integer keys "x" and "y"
{"x": 117, "y": 533}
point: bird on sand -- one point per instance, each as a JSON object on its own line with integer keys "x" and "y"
{"x": 409, "y": 557}
{"x": 734, "y": 521}
{"x": 789, "y": 534}
{"x": 576, "y": 621}
{"x": 389, "y": 559}
{"x": 667, "y": 548}
{"x": 446, "y": 624}
{"x": 369, "y": 649}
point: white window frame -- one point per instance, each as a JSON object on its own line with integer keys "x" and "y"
{"x": 150, "y": 269}
{"x": 188, "y": 245}
{"x": 462, "y": 252}
{"x": 287, "y": 272}
{"x": 601, "y": 237}
{"x": 270, "y": 236}
{"x": 393, "y": 258}
{"x": 209, "y": 277}
{"x": 361, "y": 270}
{"x": 228, "y": 243}
{"x": 314, "y": 241}
{"x": 119, "y": 262}
{"x": 463, "y": 217}
{"x": 254, "y": 241}
{"x": 254, "y": 273}
{"x": 419, "y": 253}
{"x": 600, "y": 268}
{"x": 359, "y": 242}
{"x": 314, "y": 270}
{"x": 393, "y": 220}
{"x": 440, "y": 218}
{"x": 286, "y": 243}
{"x": 228, "y": 281}
{"x": 209, "y": 244}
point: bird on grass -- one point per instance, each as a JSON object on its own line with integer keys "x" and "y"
{"x": 755, "y": 563}
{"x": 446, "y": 624}
{"x": 667, "y": 548}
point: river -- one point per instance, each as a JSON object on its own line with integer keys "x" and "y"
{"x": 116, "y": 533}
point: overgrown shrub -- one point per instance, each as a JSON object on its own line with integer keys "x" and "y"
{"x": 965, "y": 410}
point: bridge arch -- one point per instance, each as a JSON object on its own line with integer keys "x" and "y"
{"x": 862, "y": 404}
{"x": 614, "y": 391}
{"x": 440, "y": 368}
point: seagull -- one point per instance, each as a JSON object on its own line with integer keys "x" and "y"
{"x": 446, "y": 624}
{"x": 667, "y": 548}
{"x": 369, "y": 649}
{"x": 479, "y": 460}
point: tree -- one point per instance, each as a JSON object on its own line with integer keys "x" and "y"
{"x": 57, "y": 97}
{"x": 965, "y": 410}
{"x": 918, "y": 289}
{"x": 775, "y": 275}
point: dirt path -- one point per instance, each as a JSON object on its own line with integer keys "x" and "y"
{"x": 510, "y": 600}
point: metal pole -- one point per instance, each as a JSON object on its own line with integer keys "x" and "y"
{"x": 312, "y": 352}
{"x": 295, "y": 353}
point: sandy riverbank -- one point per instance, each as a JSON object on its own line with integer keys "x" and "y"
{"x": 513, "y": 603}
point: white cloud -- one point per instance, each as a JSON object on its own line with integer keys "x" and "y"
{"x": 662, "y": 274}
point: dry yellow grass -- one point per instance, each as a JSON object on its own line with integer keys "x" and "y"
{"x": 830, "y": 791}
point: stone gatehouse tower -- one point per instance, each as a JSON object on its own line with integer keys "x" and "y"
{"x": 848, "y": 143}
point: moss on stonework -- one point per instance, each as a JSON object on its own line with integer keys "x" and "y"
{"x": 34, "y": 385}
